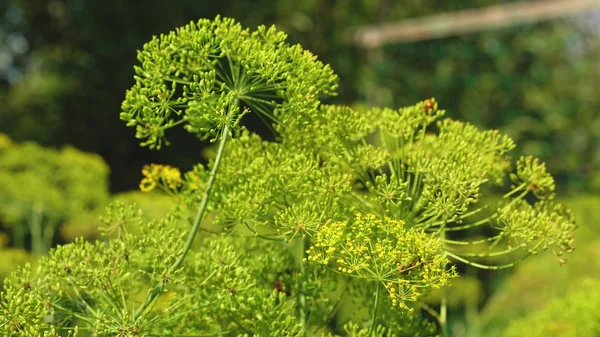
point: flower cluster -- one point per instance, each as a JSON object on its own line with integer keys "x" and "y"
{"x": 545, "y": 225}
{"x": 165, "y": 176}
{"x": 432, "y": 177}
{"x": 274, "y": 188}
{"x": 383, "y": 250}
{"x": 201, "y": 74}
{"x": 533, "y": 175}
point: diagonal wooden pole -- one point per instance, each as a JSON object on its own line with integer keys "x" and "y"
{"x": 466, "y": 21}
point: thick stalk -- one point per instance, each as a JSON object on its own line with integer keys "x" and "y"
{"x": 196, "y": 225}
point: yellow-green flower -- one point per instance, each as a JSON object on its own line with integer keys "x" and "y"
{"x": 160, "y": 175}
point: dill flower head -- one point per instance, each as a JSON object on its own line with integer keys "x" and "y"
{"x": 404, "y": 260}
{"x": 210, "y": 73}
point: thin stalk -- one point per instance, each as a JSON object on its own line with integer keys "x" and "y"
{"x": 430, "y": 311}
{"x": 444, "y": 312}
{"x": 401, "y": 161}
{"x": 489, "y": 218}
{"x": 444, "y": 302}
{"x": 301, "y": 296}
{"x": 196, "y": 225}
{"x": 471, "y": 310}
{"x": 491, "y": 254}
{"x": 474, "y": 242}
{"x": 472, "y": 212}
{"x": 470, "y": 226}
{"x": 417, "y": 181}
{"x": 49, "y": 229}
{"x": 335, "y": 307}
{"x": 37, "y": 240}
{"x": 485, "y": 266}
{"x": 495, "y": 242}
{"x": 515, "y": 190}
{"x": 18, "y": 236}
{"x": 375, "y": 307}
{"x": 232, "y": 318}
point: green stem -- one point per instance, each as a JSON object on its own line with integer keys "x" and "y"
{"x": 444, "y": 312}
{"x": 430, "y": 310}
{"x": 474, "y": 242}
{"x": 491, "y": 254}
{"x": 489, "y": 218}
{"x": 18, "y": 236}
{"x": 196, "y": 225}
{"x": 48, "y": 234}
{"x": 485, "y": 266}
{"x": 444, "y": 302}
{"x": 301, "y": 294}
{"x": 471, "y": 310}
{"x": 469, "y": 226}
{"x": 375, "y": 307}
{"x": 37, "y": 240}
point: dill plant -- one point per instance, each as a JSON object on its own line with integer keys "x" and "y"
{"x": 370, "y": 209}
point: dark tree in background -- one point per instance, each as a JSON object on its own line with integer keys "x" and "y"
{"x": 66, "y": 64}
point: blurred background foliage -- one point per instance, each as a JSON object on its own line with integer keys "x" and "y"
{"x": 548, "y": 299}
{"x": 43, "y": 187}
{"x": 65, "y": 66}
{"x": 575, "y": 314}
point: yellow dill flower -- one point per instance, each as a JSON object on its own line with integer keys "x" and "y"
{"x": 166, "y": 175}
{"x": 147, "y": 184}
{"x": 171, "y": 176}
{"x": 382, "y": 249}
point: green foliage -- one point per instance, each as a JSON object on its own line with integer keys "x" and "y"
{"x": 464, "y": 291}
{"x": 64, "y": 182}
{"x": 524, "y": 283}
{"x": 92, "y": 288}
{"x": 576, "y": 314}
{"x": 374, "y": 205}
{"x": 154, "y": 205}
{"x": 43, "y": 187}
{"x": 14, "y": 257}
